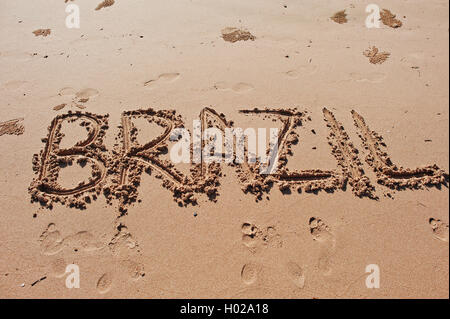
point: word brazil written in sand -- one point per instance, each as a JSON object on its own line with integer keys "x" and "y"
{"x": 116, "y": 173}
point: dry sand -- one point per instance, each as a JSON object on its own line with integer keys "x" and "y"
{"x": 86, "y": 179}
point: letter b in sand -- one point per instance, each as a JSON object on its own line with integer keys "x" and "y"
{"x": 73, "y": 279}
{"x": 373, "y": 280}
{"x": 73, "y": 19}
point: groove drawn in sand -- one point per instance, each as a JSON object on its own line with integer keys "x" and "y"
{"x": 308, "y": 180}
{"x": 47, "y": 165}
{"x": 117, "y": 173}
{"x": 347, "y": 156}
{"x": 12, "y": 127}
{"x": 389, "y": 174}
{"x": 439, "y": 228}
{"x": 375, "y": 56}
{"x": 162, "y": 78}
{"x": 321, "y": 233}
{"x": 233, "y": 35}
{"x": 340, "y": 17}
{"x": 249, "y": 273}
{"x": 42, "y": 32}
{"x": 389, "y": 19}
{"x": 104, "y": 4}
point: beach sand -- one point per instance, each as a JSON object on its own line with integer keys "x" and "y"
{"x": 366, "y": 118}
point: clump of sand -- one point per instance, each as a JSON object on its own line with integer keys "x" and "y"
{"x": 375, "y": 56}
{"x": 235, "y": 34}
{"x": 340, "y": 17}
{"x": 388, "y": 18}
{"x": 12, "y": 127}
{"x": 42, "y": 32}
{"x": 104, "y": 4}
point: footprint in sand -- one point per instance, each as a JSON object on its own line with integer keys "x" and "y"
{"x": 242, "y": 87}
{"x": 254, "y": 238}
{"x": 321, "y": 233}
{"x": 83, "y": 241}
{"x": 58, "y": 268}
{"x": 296, "y": 274}
{"x": 303, "y": 70}
{"x": 239, "y": 88}
{"x": 249, "y": 273}
{"x": 162, "y": 78}
{"x": 133, "y": 269}
{"x": 375, "y": 77}
{"x": 13, "y": 85}
{"x": 104, "y": 283}
{"x": 86, "y": 93}
{"x": 51, "y": 240}
{"x": 440, "y": 229}
{"x": 78, "y": 98}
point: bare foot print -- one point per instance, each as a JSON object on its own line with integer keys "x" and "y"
{"x": 13, "y": 85}
{"x": 83, "y": 241}
{"x": 164, "y": 77}
{"x": 321, "y": 233}
{"x": 104, "y": 283}
{"x": 296, "y": 274}
{"x": 51, "y": 240}
{"x": 58, "y": 268}
{"x": 77, "y": 98}
{"x": 239, "y": 88}
{"x": 440, "y": 229}
{"x": 249, "y": 273}
{"x": 242, "y": 87}
{"x": 133, "y": 269}
{"x": 254, "y": 238}
{"x": 123, "y": 243}
{"x": 86, "y": 93}
{"x": 302, "y": 70}
{"x": 375, "y": 77}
